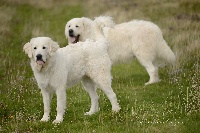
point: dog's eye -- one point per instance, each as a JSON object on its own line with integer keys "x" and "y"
{"x": 35, "y": 48}
{"x": 69, "y": 25}
{"x": 77, "y": 26}
{"x": 44, "y": 47}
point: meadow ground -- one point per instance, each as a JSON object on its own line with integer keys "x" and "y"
{"x": 172, "y": 105}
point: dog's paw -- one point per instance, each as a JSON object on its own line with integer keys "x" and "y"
{"x": 147, "y": 83}
{"x": 116, "y": 108}
{"x": 152, "y": 82}
{"x": 89, "y": 113}
{"x": 57, "y": 121}
{"x": 45, "y": 119}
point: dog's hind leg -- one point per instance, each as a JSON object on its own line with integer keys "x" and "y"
{"x": 151, "y": 69}
{"x": 103, "y": 80}
{"x": 90, "y": 87}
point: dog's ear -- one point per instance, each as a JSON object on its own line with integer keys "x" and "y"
{"x": 27, "y": 49}
{"x": 53, "y": 46}
{"x": 87, "y": 23}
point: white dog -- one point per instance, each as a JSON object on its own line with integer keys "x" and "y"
{"x": 56, "y": 69}
{"x": 137, "y": 38}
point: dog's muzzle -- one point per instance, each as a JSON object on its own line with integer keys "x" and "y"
{"x": 39, "y": 59}
{"x": 72, "y": 38}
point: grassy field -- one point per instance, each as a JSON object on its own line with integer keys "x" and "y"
{"x": 172, "y": 105}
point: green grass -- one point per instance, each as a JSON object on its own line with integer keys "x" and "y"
{"x": 172, "y": 105}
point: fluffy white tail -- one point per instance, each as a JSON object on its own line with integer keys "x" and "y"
{"x": 166, "y": 53}
{"x": 104, "y": 21}
{"x": 99, "y": 24}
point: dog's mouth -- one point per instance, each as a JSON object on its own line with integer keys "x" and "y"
{"x": 40, "y": 62}
{"x": 74, "y": 39}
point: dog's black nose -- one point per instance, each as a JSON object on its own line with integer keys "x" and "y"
{"x": 70, "y": 31}
{"x": 39, "y": 56}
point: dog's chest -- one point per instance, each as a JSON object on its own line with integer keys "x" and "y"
{"x": 43, "y": 80}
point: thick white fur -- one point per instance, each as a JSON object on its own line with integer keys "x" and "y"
{"x": 104, "y": 21}
{"x": 64, "y": 67}
{"x": 137, "y": 38}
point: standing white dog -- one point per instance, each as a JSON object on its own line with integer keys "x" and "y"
{"x": 56, "y": 69}
{"x": 137, "y": 38}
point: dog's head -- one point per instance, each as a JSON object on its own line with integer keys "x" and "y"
{"x": 80, "y": 29}
{"x": 77, "y": 28}
{"x": 40, "y": 49}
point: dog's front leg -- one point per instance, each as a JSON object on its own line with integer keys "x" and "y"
{"x": 47, "y": 96}
{"x": 61, "y": 105}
